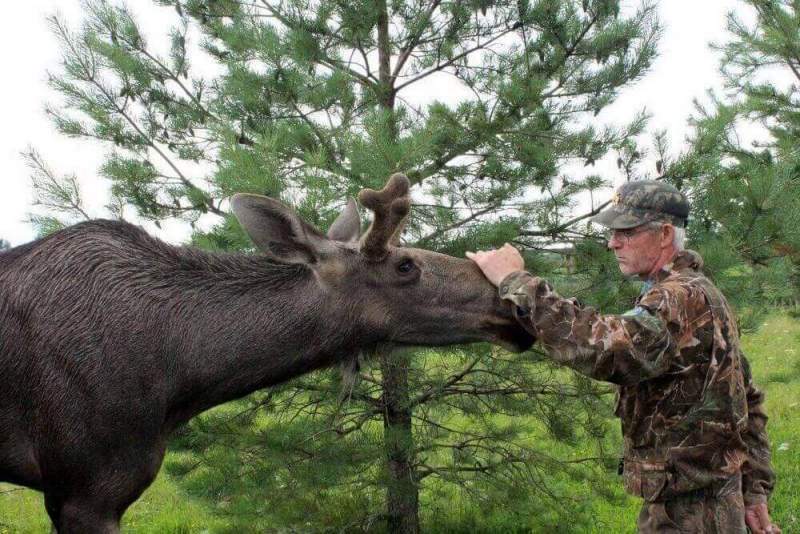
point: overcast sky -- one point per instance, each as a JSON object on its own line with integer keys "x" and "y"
{"x": 685, "y": 69}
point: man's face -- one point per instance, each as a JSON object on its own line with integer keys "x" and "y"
{"x": 637, "y": 249}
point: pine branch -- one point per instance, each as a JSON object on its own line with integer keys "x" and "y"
{"x": 91, "y": 77}
{"x": 405, "y": 53}
{"x": 61, "y": 195}
{"x": 422, "y": 398}
{"x": 440, "y": 66}
{"x": 325, "y": 60}
{"x": 789, "y": 35}
{"x": 441, "y": 231}
{"x": 417, "y": 176}
{"x": 171, "y": 76}
{"x": 561, "y": 227}
{"x": 334, "y": 164}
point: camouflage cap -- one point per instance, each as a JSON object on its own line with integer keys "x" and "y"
{"x": 643, "y": 201}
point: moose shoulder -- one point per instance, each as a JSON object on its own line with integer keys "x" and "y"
{"x": 110, "y": 338}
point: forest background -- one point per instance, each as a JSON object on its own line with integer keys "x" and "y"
{"x": 311, "y": 101}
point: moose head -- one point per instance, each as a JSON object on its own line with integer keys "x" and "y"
{"x": 404, "y": 295}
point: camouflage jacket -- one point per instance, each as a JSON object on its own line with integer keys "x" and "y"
{"x": 691, "y": 416}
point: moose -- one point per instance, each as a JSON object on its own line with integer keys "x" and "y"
{"x": 110, "y": 338}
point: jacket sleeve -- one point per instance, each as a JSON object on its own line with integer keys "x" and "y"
{"x": 758, "y": 478}
{"x": 623, "y": 349}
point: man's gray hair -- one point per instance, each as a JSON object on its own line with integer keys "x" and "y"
{"x": 679, "y": 239}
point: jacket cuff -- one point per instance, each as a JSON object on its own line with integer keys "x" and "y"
{"x": 753, "y": 499}
{"x": 511, "y": 283}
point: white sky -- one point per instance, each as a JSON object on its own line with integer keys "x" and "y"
{"x": 685, "y": 69}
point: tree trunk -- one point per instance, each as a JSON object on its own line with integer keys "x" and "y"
{"x": 402, "y": 495}
{"x": 402, "y": 499}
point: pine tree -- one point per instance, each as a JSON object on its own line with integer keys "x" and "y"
{"x": 4, "y": 245}
{"x": 316, "y": 100}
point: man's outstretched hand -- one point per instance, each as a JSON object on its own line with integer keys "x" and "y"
{"x": 497, "y": 264}
{"x": 757, "y": 518}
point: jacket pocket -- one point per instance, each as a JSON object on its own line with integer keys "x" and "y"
{"x": 645, "y": 479}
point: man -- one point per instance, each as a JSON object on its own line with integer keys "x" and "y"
{"x": 695, "y": 445}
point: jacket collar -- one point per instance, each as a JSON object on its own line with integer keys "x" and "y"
{"x": 682, "y": 261}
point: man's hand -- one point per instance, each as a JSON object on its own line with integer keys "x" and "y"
{"x": 497, "y": 264}
{"x": 757, "y": 518}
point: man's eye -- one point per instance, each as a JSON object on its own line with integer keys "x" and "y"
{"x": 621, "y": 234}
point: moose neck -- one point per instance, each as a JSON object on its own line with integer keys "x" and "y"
{"x": 248, "y": 327}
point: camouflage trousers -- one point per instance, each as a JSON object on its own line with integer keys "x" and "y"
{"x": 718, "y": 510}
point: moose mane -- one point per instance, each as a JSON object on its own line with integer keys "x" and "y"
{"x": 151, "y": 261}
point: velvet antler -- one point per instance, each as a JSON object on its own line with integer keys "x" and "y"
{"x": 390, "y": 206}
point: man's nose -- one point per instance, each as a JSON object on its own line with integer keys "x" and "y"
{"x": 613, "y": 243}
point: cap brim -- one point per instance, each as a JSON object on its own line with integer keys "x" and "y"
{"x": 617, "y": 220}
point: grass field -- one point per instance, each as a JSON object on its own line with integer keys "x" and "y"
{"x": 774, "y": 353}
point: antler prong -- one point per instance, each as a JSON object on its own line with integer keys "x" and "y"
{"x": 390, "y": 206}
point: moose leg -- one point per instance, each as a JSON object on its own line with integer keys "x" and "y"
{"x": 79, "y": 516}
{"x": 75, "y": 516}
{"x": 53, "y": 507}
{"x": 97, "y": 507}
{"x": 94, "y": 501}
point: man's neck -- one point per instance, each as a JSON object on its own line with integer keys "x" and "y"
{"x": 667, "y": 255}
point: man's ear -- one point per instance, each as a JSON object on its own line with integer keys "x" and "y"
{"x": 276, "y": 229}
{"x": 667, "y": 235}
{"x": 347, "y": 226}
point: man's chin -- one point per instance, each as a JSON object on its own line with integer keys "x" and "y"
{"x": 627, "y": 272}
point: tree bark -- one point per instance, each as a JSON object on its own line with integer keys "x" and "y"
{"x": 402, "y": 492}
{"x": 402, "y": 497}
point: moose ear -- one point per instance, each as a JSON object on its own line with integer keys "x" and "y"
{"x": 347, "y": 226}
{"x": 276, "y": 229}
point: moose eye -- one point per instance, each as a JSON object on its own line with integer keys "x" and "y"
{"x": 405, "y": 266}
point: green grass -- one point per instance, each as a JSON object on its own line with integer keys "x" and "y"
{"x": 773, "y": 351}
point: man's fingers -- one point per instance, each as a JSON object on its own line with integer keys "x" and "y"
{"x": 753, "y": 521}
{"x": 763, "y": 516}
{"x": 757, "y": 518}
{"x": 766, "y": 523}
{"x": 754, "y": 527}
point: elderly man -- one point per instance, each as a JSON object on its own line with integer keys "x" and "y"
{"x": 695, "y": 445}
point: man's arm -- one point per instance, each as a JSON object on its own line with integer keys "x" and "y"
{"x": 623, "y": 349}
{"x": 758, "y": 478}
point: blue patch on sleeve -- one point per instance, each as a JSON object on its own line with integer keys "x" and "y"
{"x": 636, "y": 312}
{"x": 646, "y": 318}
